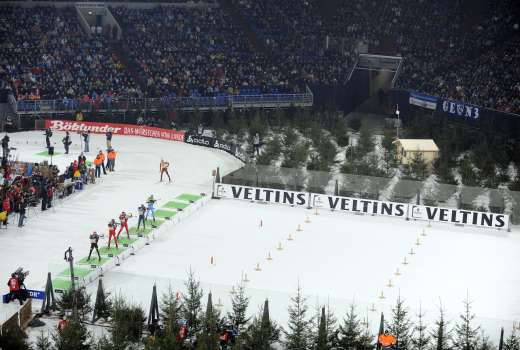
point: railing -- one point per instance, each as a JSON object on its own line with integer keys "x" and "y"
{"x": 185, "y": 103}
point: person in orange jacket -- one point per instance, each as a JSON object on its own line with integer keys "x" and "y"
{"x": 387, "y": 340}
{"x": 111, "y": 159}
{"x": 102, "y": 161}
{"x": 97, "y": 163}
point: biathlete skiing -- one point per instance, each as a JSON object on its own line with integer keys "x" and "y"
{"x": 163, "y": 168}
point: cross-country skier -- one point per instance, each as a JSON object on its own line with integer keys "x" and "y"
{"x": 94, "y": 238}
{"x": 66, "y": 142}
{"x": 163, "y": 167}
{"x": 112, "y": 232}
{"x": 141, "y": 210}
{"x": 150, "y": 207}
{"x": 123, "y": 218}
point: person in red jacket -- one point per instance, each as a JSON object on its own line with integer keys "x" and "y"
{"x": 123, "y": 218}
{"x": 62, "y": 323}
{"x": 112, "y": 232}
{"x": 14, "y": 288}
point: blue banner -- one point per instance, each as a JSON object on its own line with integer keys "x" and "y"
{"x": 422, "y": 100}
{"x": 34, "y": 294}
{"x": 458, "y": 109}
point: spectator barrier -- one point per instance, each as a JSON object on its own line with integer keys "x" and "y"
{"x": 146, "y": 131}
{"x": 184, "y": 103}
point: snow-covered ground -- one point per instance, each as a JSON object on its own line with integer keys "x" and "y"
{"x": 337, "y": 258}
{"x": 40, "y": 245}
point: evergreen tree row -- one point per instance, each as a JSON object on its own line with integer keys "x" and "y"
{"x": 183, "y": 322}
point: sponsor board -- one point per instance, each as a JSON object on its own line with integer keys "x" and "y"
{"x": 459, "y": 216}
{"x": 359, "y": 205}
{"x": 116, "y": 129}
{"x": 268, "y": 195}
{"x": 33, "y": 294}
{"x": 363, "y": 206}
{"x": 212, "y": 142}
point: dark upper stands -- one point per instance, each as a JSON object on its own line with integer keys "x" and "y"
{"x": 447, "y": 50}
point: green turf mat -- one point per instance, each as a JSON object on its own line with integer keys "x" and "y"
{"x": 93, "y": 260}
{"x": 158, "y": 222}
{"x": 175, "y": 205}
{"x": 133, "y": 230}
{"x": 78, "y": 272}
{"x": 164, "y": 213}
{"x": 189, "y": 197}
{"x": 125, "y": 240}
{"x": 112, "y": 250}
{"x": 46, "y": 154}
{"x": 61, "y": 284}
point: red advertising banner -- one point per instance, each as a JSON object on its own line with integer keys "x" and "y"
{"x": 116, "y": 129}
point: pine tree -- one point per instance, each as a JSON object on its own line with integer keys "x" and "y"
{"x": 417, "y": 167}
{"x": 102, "y": 305}
{"x": 13, "y": 338}
{"x": 400, "y": 326}
{"x": 421, "y": 339}
{"x": 366, "y": 339}
{"x": 65, "y": 302}
{"x": 466, "y": 333}
{"x": 192, "y": 306}
{"x": 513, "y": 341}
{"x": 299, "y": 335}
{"x": 350, "y": 331}
{"x": 127, "y": 323}
{"x": 467, "y": 173}
{"x": 170, "y": 314}
{"x": 483, "y": 342}
{"x": 73, "y": 336}
{"x": 208, "y": 339}
{"x": 262, "y": 333}
{"x": 441, "y": 335}
{"x": 322, "y": 341}
{"x": 239, "y": 304}
{"x": 332, "y": 331}
{"x": 366, "y": 142}
{"x": 43, "y": 342}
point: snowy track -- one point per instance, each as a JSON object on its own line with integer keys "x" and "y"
{"x": 338, "y": 258}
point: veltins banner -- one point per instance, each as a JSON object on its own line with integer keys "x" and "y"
{"x": 365, "y": 206}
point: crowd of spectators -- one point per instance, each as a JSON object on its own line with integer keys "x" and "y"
{"x": 45, "y": 55}
{"x": 196, "y": 52}
{"x": 442, "y": 55}
{"x": 296, "y": 35}
{"x": 448, "y": 50}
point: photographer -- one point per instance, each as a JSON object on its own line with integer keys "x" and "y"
{"x": 15, "y": 285}
{"x": 5, "y": 146}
